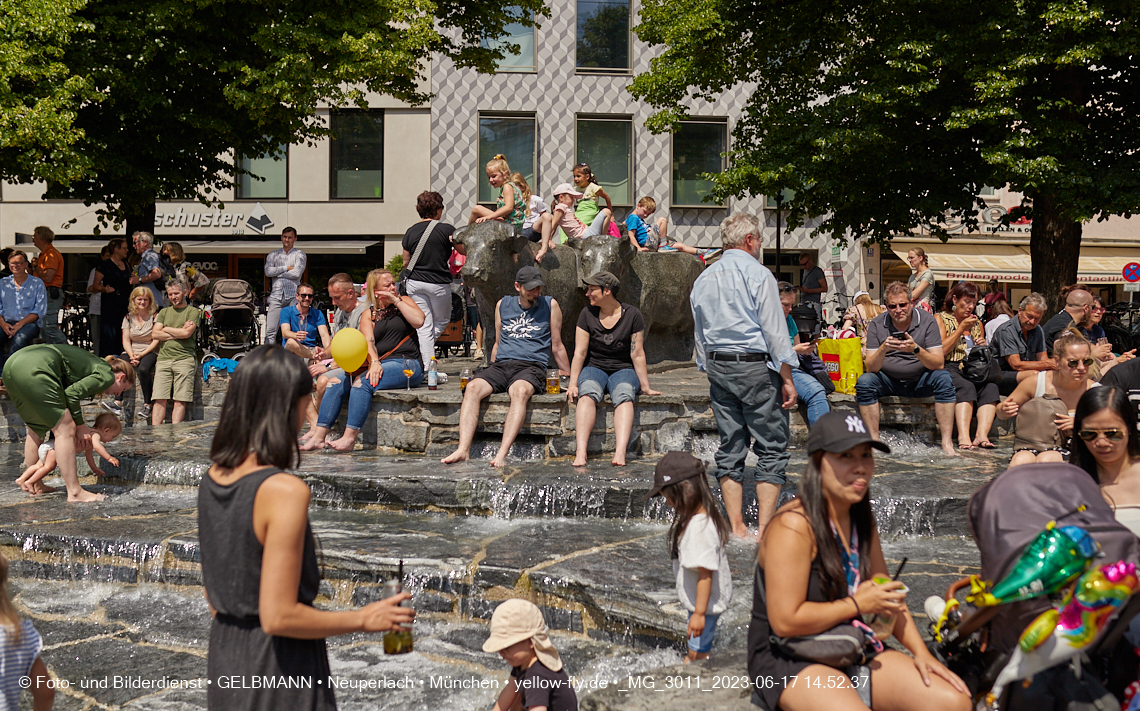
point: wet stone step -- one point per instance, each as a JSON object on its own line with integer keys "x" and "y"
{"x": 916, "y": 490}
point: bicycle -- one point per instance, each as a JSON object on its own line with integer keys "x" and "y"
{"x": 1121, "y": 325}
{"x": 73, "y": 320}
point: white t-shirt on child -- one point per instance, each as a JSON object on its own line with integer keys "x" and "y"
{"x": 700, "y": 548}
{"x": 536, "y": 207}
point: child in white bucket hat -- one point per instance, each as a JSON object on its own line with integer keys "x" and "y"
{"x": 518, "y": 634}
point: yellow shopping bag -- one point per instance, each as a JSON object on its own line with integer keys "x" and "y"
{"x": 843, "y": 358}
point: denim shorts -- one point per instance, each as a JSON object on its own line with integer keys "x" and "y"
{"x": 623, "y": 386}
{"x": 703, "y": 644}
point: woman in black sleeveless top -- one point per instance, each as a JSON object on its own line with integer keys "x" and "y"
{"x": 259, "y": 561}
{"x": 826, "y": 548}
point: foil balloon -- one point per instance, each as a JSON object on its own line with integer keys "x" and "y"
{"x": 1052, "y": 559}
{"x": 1060, "y": 634}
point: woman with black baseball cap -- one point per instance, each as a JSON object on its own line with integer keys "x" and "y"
{"x": 826, "y": 547}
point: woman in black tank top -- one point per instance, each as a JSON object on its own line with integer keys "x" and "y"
{"x": 826, "y": 548}
{"x": 259, "y": 562}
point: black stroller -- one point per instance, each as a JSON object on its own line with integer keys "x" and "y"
{"x": 230, "y": 329}
{"x": 1005, "y": 516}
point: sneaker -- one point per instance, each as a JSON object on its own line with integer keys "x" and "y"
{"x": 112, "y": 407}
{"x": 477, "y": 355}
{"x": 143, "y": 414}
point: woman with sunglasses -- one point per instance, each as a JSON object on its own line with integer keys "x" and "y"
{"x": 1045, "y": 405}
{"x": 1107, "y": 446}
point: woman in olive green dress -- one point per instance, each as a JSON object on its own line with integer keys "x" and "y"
{"x": 46, "y": 384}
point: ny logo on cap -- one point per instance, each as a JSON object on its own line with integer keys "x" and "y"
{"x": 854, "y": 424}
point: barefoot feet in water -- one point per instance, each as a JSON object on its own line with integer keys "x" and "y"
{"x": 344, "y": 444}
{"x": 83, "y": 496}
{"x": 457, "y": 456}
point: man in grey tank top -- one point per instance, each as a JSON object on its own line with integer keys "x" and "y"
{"x": 528, "y": 331}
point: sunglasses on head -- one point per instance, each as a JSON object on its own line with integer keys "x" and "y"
{"x": 786, "y": 289}
{"x": 1111, "y": 435}
{"x": 1074, "y": 362}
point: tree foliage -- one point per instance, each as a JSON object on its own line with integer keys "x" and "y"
{"x": 39, "y": 95}
{"x": 188, "y": 85}
{"x": 892, "y": 115}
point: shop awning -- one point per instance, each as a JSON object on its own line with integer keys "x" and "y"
{"x": 1011, "y": 262}
{"x": 205, "y": 246}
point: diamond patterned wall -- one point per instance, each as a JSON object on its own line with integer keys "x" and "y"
{"x": 554, "y": 95}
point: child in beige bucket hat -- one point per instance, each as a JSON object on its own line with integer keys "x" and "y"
{"x": 519, "y": 635}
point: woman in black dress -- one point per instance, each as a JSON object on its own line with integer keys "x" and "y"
{"x": 826, "y": 548}
{"x": 113, "y": 281}
{"x": 259, "y": 561}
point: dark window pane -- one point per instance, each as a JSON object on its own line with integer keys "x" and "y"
{"x": 607, "y": 146}
{"x": 603, "y": 34}
{"x": 697, "y": 149}
{"x": 358, "y": 154}
{"x": 271, "y": 171}
{"x": 514, "y": 138}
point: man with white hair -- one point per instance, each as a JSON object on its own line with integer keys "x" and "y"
{"x": 148, "y": 271}
{"x": 744, "y": 346}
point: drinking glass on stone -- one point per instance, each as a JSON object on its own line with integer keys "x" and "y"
{"x": 409, "y": 371}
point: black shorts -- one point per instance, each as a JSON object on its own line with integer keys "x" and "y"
{"x": 530, "y": 234}
{"x": 500, "y": 375}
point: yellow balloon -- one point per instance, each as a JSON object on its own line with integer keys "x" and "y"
{"x": 349, "y": 349}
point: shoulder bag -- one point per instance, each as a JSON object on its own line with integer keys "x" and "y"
{"x": 843, "y": 645}
{"x": 981, "y": 366}
{"x": 411, "y": 265}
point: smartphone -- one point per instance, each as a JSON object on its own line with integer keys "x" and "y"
{"x": 899, "y": 335}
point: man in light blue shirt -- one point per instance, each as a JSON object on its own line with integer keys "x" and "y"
{"x": 285, "y": 267}
{"x": 744, "y": 346}
{"x": 23, "y": 303}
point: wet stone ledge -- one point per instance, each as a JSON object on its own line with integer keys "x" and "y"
{"x": 424, "y": 421}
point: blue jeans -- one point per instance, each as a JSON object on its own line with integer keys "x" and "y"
{"x": 623, "y": 386}
{"x": 812, "y": 393}
{"x": 703, "y": 644}
{"x": 359, "y": 393}
{"x": 747, "y": 402}
{"x": 22, "y": 339}
{"x": 872, "y": 386}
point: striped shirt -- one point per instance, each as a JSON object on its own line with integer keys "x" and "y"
{"x": 16, "y": 661}
{"x": 286, "y": 271}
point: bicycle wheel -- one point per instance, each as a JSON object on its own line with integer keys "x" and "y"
{"x": 1120, "y": 338}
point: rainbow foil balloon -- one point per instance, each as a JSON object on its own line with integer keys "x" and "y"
{"x": 1052, "y": 559}
{"x": 1061, "y": 634}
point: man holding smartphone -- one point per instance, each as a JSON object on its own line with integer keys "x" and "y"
{"x": 904, "y": 359}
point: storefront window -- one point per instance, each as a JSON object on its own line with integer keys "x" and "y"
{"x": 603, "y": 35}
{"x": 270, "y": 177}
{"x": 512, "y": 136}
{"x": 698, "y": 149}
{"x": 357, "y": 162}
{"x": 607, "y": 146}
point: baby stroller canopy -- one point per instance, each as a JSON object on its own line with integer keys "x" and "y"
{"x": 1009, "y": 512}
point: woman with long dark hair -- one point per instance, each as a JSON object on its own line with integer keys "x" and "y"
{"x": 259, "y": 561}
{"x": 1107, "y": 446}
{"x": 113, "y": 281}
{"x": 823, "y": 550}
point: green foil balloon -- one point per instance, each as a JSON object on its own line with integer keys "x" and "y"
{"x": 1052, "y": 559}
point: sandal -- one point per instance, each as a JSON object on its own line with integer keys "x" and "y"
{"x": 966, "y": 446}
{"x": 987, "y": 445}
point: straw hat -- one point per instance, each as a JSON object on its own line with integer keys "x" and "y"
{"x": 517, "y": 620}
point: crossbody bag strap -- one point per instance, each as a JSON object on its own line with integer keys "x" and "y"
{"x": 420, "y": 245}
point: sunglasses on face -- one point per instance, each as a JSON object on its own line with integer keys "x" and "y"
{"x": 1074, "y": 362}
{"x": 893, "y": 307}
{"x": 304, "y": 296}
{"x": 1092, "y": 435}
